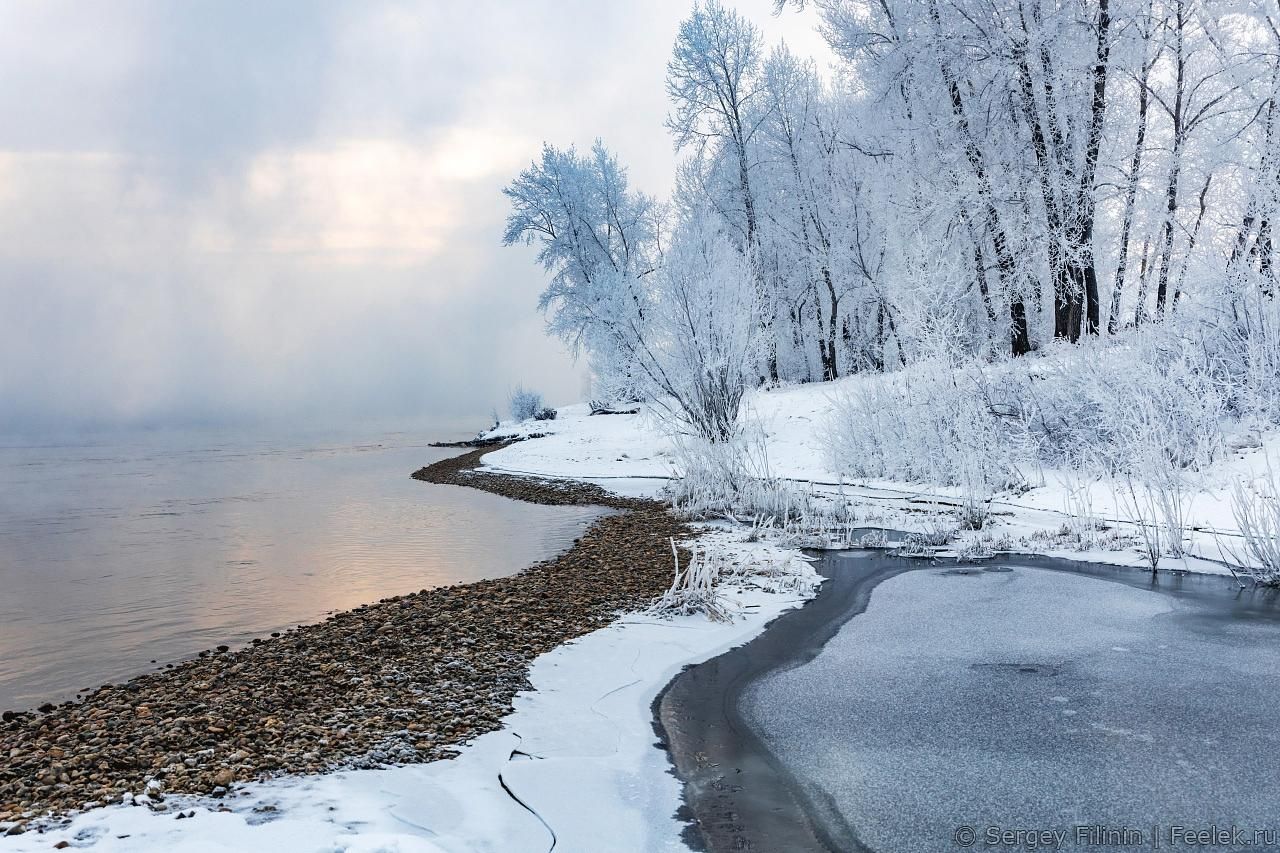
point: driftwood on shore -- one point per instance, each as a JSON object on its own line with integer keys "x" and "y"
{"x": 487, "y": 441}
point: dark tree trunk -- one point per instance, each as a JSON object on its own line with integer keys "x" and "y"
{"x": 1020, "y": 343}
{"x": 1020, "y": 339}
{"x": 1171, "y": 189}
{"x": 1140, "y": 309}
{"x": 1079, "y": 293}
{"x": 830, "y": 364}
{"x": 1191, "y": 242}
{"x": 1093, "y": 312}
{"x": 1093, "y": 146}
{"x": 1263, "y": 250}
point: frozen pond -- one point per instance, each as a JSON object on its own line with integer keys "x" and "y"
{"x": 960, "y": 705}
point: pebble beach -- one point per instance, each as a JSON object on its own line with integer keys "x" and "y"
{"x": 406, "y": 679}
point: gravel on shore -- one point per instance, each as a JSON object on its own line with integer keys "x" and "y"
{"x": 464, "y": 470}
{"x": 407, "y": 679}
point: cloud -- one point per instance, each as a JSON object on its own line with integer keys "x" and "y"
{"x": 233, "y": 211}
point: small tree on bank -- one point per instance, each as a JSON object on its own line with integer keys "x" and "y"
{"x": 669, "y": 326}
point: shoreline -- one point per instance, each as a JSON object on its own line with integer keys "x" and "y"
{"x": 407, "y": 679}
{"x": 739, "y": 795}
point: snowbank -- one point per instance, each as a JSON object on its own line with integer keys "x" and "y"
{"x": 631, "y": 453}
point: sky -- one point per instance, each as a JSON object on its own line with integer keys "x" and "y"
{"x": 238, "y": 212}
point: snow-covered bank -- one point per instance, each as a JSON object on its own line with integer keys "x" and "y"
{"x": 1060, "y": 512}
{"x": 575, "y": 759}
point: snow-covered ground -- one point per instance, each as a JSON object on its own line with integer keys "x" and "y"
{"x": 632, "y": 452}
{"x": 576, "y": 760}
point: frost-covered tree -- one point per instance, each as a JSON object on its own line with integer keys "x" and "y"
{"x": 974, "y": 179}
{"x": 1053, "y": 149}
{"x": 713, "y": 81}
{"x": 597, "y": 239}
{"x": 701, "y": 350}
{"x": 677, "y": 327}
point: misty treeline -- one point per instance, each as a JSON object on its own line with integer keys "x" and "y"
{"x": 975, "y": 179}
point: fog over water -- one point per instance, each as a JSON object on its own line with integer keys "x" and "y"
{"x": 250, "y": 264}
{"x": 231, "y": 212}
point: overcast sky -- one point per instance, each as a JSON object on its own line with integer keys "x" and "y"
{"x": 236, "y": 211}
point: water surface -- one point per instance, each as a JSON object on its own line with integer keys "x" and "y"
{"x": 120, "y": 551}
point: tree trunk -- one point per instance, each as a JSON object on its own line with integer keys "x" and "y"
{"x": 1262, "y": 248}
{"x": 1191, "y": 243}
{"x": 1171, "y": 189}
{"x": 979, "y": 266}
{"x": 1044, "y": 169}
{"x": 1076, "y": 298}
{"x": 1087, "y": 203}
{"x": 1140, "y": 309}
{"x": 1020, "y": 343}
{"x": 1130, "y": 197}
{"x": 830, "y": 364}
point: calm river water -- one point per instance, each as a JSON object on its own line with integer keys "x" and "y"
{"x": 117, "y": 553}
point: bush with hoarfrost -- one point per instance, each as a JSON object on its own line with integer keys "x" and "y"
{"x": 695, "y": 587}
{"x": 730, "y": 479}
{"x": 701, "y": 350}
{"x": 1240, "y": 348}
{"x": 1148, "y": 413}
{"x": 699, "y": 583}
{"x": 524, "y": 404}
{"x": 1132, "y": 407}
{"x": 1117, "y": 405}
{"x": 1256, "y": 509}
{"x": 932, "y": 424}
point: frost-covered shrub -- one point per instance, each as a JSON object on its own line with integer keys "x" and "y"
{"x": 1240, "y": 348}
{"x": 1256, "y": 509}
{"x": 1117, "y": 404}
{"x": 918, "y": 545}
{"x": 1259, "y": 396}
{"x": 932, "y": 424}
{"x": 694, "y": 588}
{"x": 618, "y": 382}
{"x": 546, "y": 413}
{"x": 1148, "y": 411}
{"x": 524, "y": 404}
{"x": 874, "y": 539}
{"x": 974, "y": 548}
{"x": 731, "y": 479}
{"x": 703, "y": 351}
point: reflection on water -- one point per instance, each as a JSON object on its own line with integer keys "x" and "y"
{"x": 115, "y": 554}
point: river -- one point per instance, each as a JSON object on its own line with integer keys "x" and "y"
{"x": 123, "y": 552}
